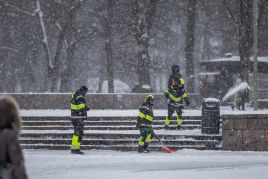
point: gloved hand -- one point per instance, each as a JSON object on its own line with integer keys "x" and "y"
{"x": 152, "y": 134}
{"x": 138, "y": 125}
{"x": 87, "y": 108}
{"x": 168, "y": 101}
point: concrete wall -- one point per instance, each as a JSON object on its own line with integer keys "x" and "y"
{"x": 96, "y": 101}
{"x": 245, "y": 132}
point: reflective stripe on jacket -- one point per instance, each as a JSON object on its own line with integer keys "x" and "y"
{"x": 76, "y": 103}
{"x": 145, "y": 116}
{"x": 175, "y": 95}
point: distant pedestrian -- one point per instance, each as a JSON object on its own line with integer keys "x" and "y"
{"x": 240, "y": 96}
{"x": 203, "y": 86}
{"x": 237, "y": 97}
{"x": 11, "y": 157}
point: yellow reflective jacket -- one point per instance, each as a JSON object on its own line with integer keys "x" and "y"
{"x": 145, "y": 116}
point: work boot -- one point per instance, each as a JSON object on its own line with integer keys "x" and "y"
{"x": 145, "y": 148}
{"x": 78, "y": 151}
{"x": 140, "y": 150}
{"x": 179, "y": 127}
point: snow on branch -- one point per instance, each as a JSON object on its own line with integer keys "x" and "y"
{"x": 62, "y": 4}
{"x": 17, "y": 9}
{"x": 45, "y": 37}
{"x": 8, "y": 48}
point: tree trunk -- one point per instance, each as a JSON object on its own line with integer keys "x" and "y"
{"x": 45, "y": 44}
{"x": 206, "y": 52}
{"x": 245, "y": 38}
{"x": 67, "y": 75}
{"x": 101, "y": 80}
{"x": 145, "y": 13}
{"x": 108, "y": 45}
{"x": 143, "y": 63}
{"x": 9, "y": 66}
{"x": 190, "y": 45}
{"x": 69, "y": 32}
{"x": 54, "y": 66}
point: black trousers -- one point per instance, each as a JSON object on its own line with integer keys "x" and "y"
{"x": 172, "y": 109}
{"x": 78, "y": 124}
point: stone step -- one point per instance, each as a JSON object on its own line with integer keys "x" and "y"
{"x": 102, "y": 118}
{"x": 113, "y": 133}
{"x": 103, "y": 123}
{"x": 159, "y": 127}
{"x": 67, "y": 141}
{"x": 119, "y": 135}
{"x": 119, "y": 147}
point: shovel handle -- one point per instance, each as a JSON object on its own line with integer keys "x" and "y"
{"x": 157, "y": 138}
{"x": 194, "y": 107}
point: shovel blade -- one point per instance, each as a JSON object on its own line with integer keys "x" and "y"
{"x": 168, "y": 150}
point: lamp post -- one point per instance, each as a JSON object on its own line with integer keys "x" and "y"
{"x": 255, "y": 52}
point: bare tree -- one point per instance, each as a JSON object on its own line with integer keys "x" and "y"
{"x": 9, "y": 53}
{"x": 243, "y": 22}
{"x": 108, "y": 44}
{"x": 54, "y": 66}
{"x": 68, "y": 36}
{"x": 69, "y": 33}
{"x": 191, "y": 13}
{"x": 145, "y": 11}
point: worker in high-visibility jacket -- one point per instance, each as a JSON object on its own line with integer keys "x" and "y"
{"x": 144, "y": 124}
{"x": 175, "y": 96}
{"x": 79, "y": 110}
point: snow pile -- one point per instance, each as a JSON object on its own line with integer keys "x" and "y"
{"x": 240, "y": 87}
{"x": 215, "y": 100}
{"x": 146, "y": 87}
{"x": 237, "y": 59}
{"x": 119, "y": 87}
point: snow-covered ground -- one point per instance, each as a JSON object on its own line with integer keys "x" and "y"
{"x": 185, "y": 164}
{"x": 157, "y": 112}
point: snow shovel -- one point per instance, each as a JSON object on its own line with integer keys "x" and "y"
{"x": 194, "y": 107}
{"x": 164, "y": 147}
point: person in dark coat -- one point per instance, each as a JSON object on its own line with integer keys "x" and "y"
{"x": 144, "y": 124}
{"x": 175, "y": 97}
{"x": 79, "y": 110}
{"x": 174, "y": 94}
{"x": 11, "y": 157}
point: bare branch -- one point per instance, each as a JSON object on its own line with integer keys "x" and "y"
{"x": 17, "y": 9}
{"x": 230, "y": 12}
{"x": 62, "y": 4}
{"x": 45, "y": 37}
{"x": 8, "y": 48}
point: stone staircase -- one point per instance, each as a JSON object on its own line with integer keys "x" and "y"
{"x": 113, "y": 133}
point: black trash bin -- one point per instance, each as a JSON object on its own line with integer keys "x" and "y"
{"x": 210, "y": 116}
